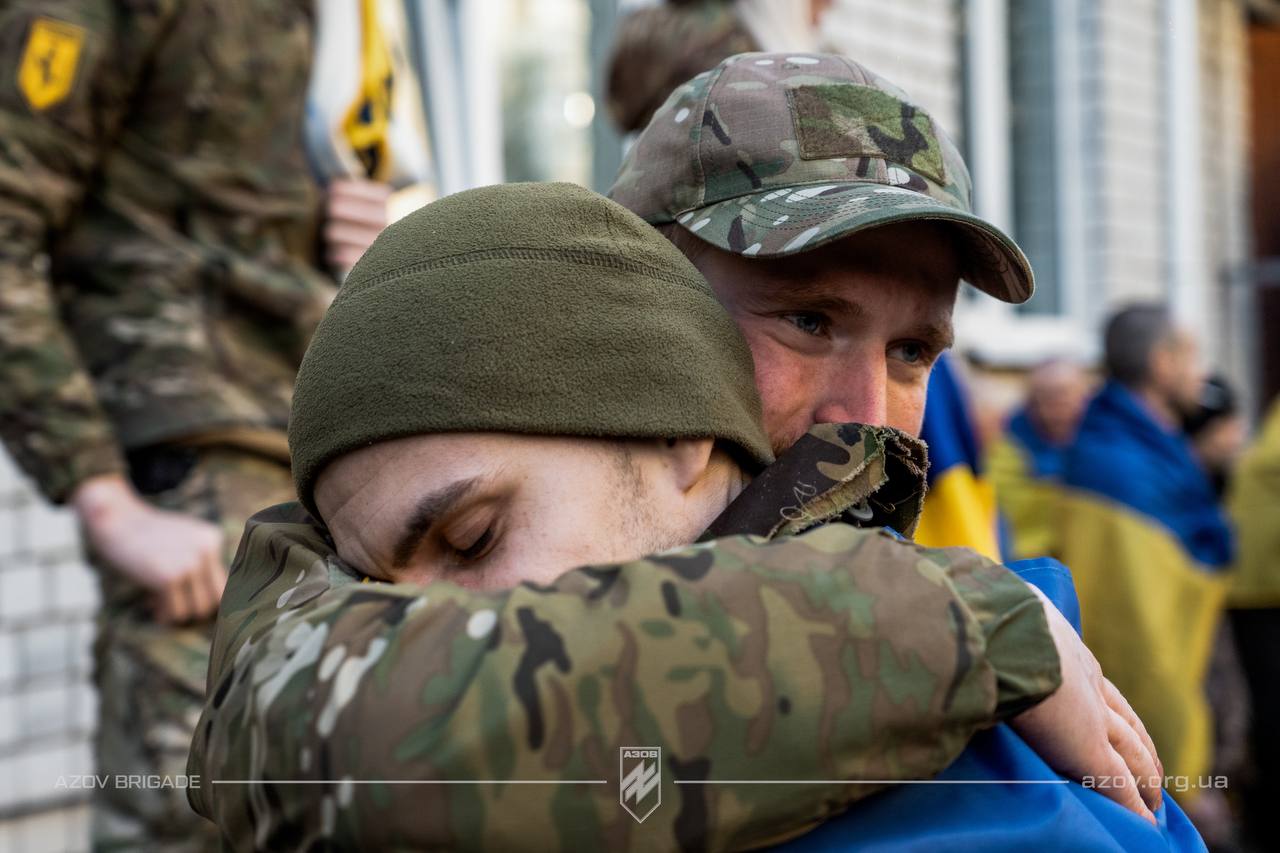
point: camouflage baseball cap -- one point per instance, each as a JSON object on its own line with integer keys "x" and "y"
{"x": 770, "y": 154}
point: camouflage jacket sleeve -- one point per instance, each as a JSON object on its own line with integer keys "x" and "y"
{"x": 841, "y": 656}
{"x": 67, "y": 68}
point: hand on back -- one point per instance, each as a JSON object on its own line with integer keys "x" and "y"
{"x": 1087, "y": 731}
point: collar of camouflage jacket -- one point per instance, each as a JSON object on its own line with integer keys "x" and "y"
{"x": 861, "y": 475}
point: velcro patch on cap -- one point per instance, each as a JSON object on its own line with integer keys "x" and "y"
{"x": 847, "y": 120}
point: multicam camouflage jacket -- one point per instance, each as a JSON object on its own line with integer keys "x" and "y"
{"x": 157, "y": 225}
{"x": 379, "y": 716}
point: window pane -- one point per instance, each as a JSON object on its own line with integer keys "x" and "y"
{"x": 1034, "y": 163}
{"x": 547, "y": 108}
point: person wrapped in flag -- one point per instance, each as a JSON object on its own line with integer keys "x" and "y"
{"x": 1254, "y": 503}
{"x": 1147, "y": 542}
{"x": 1026, "y": 463}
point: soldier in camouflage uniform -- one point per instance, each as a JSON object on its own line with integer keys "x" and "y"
{"x": 806, "y": 649}
{"x": 833, "y": 218}
{"x": 158, "y": 284}
{"x": 658, "y": 47}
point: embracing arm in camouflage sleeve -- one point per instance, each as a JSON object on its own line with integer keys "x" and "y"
{"x": 840, "y": 654}
{"x": 67, "y": 70}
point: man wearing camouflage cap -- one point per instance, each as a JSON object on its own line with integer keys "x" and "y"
{"x": 832, "y": 218}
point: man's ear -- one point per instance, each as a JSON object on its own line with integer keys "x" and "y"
{"x": 688, "y": 460}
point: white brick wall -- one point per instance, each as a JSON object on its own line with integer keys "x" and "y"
{"x": 1131, "y": 150}
{"x": 1122, "y": 84}
{"x": 48, "y": 708}
{"x": 1130, "y": 202}
{"x": 50, "y": 831}
{"x": 1224, "y": 142}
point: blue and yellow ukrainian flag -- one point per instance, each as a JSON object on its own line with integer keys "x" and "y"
{"x": 1000, "y": 795}
{"x": 1026, "y": 470}
{"x": 1255, "y": 507}
{"x": 1146, "y": 540}
{"x": 960, "y": 507}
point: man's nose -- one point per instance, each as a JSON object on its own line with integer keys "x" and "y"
{"x": 857, "y": 395}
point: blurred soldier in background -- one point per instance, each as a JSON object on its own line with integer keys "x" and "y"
{"x": 1147, "y": 541}
{"x": 1254, "y": 501}
{"x": 1026, "y": 463}
{"x": 160, "y": 274}
{"x": 659, "y": 47}
{"x": 366, "y": 134}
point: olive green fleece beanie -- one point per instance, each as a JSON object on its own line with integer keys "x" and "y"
{"x": 528, "y": 308}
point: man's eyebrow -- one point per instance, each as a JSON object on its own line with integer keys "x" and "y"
{"x": 429, "y": 507}
{"x": 938, "y": 335}
{"x": 810, "y": 295}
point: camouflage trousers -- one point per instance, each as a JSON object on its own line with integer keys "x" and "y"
{"x": 151, "y": 677}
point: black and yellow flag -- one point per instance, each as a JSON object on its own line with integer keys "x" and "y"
{"x": 368, "y": 118}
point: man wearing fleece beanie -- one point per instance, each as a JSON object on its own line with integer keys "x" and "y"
{"x": 488, "y": 405}
{"x": 569, "y": 391}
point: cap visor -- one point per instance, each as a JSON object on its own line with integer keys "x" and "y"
{"x": 797, "y": 219}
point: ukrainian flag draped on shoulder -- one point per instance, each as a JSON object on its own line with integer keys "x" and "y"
{"x": 960, "y": 508}
{"x": 1025, "y": 470}
{"x": 1146, "y": 540}
{"x": 970, "y": 810}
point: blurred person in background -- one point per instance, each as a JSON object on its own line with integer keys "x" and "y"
{"x": 1218, "y": 434}
{"x": 1026, "y": 463}
{"x": 659, "y": 47}
{"x": 161, "y": 270}
{"x": 1254, "y": 503}
{"x": 1148, "y": 543}
{"x": 1217, "y": 430}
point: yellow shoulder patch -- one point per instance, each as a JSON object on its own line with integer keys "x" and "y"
{"x": 49, "y": 62}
